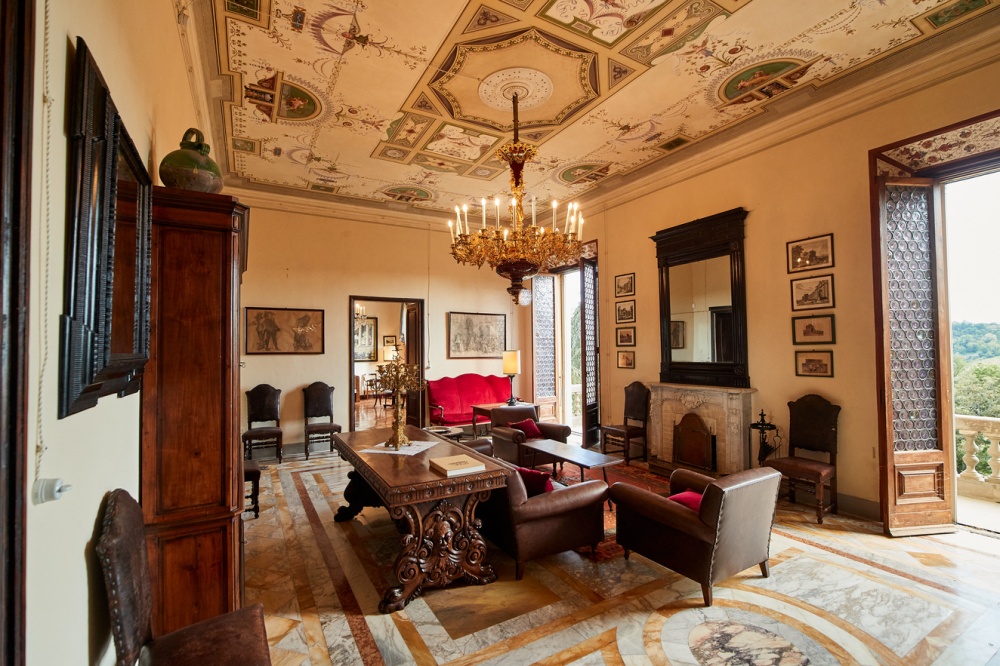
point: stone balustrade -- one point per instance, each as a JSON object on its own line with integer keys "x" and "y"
{"x": 970, "y": 482}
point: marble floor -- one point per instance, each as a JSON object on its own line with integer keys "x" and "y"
{"x": 839, "y": 593}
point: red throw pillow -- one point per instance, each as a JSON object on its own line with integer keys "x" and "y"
{"x": 688, "y": 498}
{"x": 535, "y": 482}
{"x": 528, "y": 427}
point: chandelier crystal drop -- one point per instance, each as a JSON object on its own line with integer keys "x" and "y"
{"x": 520, "y": 250}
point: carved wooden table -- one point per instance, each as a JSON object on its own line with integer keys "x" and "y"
{"x": 442, "y": 541}
{"x": 485, "y": 409}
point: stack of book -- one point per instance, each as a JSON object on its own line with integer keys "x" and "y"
{"x": 457, "y": 465}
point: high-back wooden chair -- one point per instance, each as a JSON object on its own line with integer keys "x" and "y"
{"x": 633, "y": 429}
{"x": 237, "y": 638}
{"x": 317, "y": 402}
{"x": 263, "y": 406}
{"x": 812, "y": 426}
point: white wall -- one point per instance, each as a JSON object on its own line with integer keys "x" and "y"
{"x": 97, "y": 450}
{"x": 315, "y": 261}
{"x": 812, "y": 185}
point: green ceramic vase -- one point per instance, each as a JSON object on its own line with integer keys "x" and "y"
{"x": 190, "y": 167}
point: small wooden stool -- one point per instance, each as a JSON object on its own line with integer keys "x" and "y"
{"x": 251, "y": 473}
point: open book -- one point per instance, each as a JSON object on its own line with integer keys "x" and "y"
{"x": 457, "y": 465}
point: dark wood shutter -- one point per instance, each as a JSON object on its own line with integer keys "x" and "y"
{"x": 590, "y": 349}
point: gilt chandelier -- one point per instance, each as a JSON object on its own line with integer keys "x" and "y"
{"x": 520, "y": 250}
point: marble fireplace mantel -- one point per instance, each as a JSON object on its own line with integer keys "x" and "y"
{"x": 726, "y": 411}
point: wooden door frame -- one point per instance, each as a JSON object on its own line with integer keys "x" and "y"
{"x": 350, "y": 343}
{"x": 15, "y": 199}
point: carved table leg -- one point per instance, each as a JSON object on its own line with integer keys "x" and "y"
{"x": 441, "y": 546}
{"x": 358, "y": 495}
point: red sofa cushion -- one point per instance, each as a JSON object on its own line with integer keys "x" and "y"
{"x": 528, "y": 427}
{"x": 688, "y": 498}
{"x": 535, "y": 481}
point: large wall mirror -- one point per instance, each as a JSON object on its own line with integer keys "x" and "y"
{"x": 703, "y": 326}
{"x": 104, "y": 330}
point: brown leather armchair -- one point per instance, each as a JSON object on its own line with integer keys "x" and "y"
{"x": 237, "y": 638}
{"x": 730, "y": 531}
{"x": 507, "y": 441}
{"x": 527, "y": 528}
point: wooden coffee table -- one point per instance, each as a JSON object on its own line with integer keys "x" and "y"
{"x": 575, "y": 455}
{"x": 442, "y": 544}
{"x": 485, "y": 409}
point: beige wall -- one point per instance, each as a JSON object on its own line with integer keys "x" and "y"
{"x": 812, "y": 185}
{"x": 313, "y": 261}
{"x": 97, "y": 450}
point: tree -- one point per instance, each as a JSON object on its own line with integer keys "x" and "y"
{"x": 977, "y": 393}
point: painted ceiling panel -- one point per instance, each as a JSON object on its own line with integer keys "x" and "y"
{"x": 373, "y": 102}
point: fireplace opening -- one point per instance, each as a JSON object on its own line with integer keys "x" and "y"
{"x": 694, "y": 443}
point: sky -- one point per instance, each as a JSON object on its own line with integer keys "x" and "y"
{"x": 972, "y": 223}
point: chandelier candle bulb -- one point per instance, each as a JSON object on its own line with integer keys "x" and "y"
{"x": 451, "y": 231}
{"x": 465, "y": 209}
{"x": 483, "y": 202}
{"x": 555, "y": 204}
{"x": 496, "y": 202}
{"x": 579, "y": 229}
{"x": 533, "y": 210}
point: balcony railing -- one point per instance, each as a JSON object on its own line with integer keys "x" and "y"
{"x": 970, "y": 482}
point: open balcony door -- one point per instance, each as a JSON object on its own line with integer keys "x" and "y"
{"x": 590, "y": 351}
{"x": 913, "y": 360}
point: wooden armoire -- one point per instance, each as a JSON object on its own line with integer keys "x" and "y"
{"x": 192, "y": 467}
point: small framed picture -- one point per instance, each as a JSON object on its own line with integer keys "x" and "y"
{"x": 812, "y": 293}
{"x": 625, "y": 336}
{"x": 388, "y": 340}
{"x": 810, "y": 254}
{"x": 677, "y": 335}
{"x": 626, "y": 359}
{"x": 818, "y": 329}
{"x": 625, "y": 285}
{"x": 813, "y": 363}
{"x": 625, "y": 312}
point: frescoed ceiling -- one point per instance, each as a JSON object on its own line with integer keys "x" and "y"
{"x": 371, "y": 101}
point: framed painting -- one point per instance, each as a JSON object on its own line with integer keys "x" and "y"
{"x": 388, "y": 340}
{"x": 625, "y": 312}
{"x": 814, "y": 363}
{"x": 625, "y": 285}
{"x": 626, "y": 360}
{"x": 366, "y": 339}
{"x": 818, "y": 329}
{"x": 677, "y": 335}
{"x": 812, "y": 293}
{"x": 810, "y": 254}
{"x": 476, "y": 335}
{"x": 284, "y": 331}
{"x": 625, "y": 336}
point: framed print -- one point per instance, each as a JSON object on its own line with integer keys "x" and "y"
{"x": 810, "y": 254}
{"x": 814, "y": 363}
{"x": 818, "y": 329}
{"x": 366, "y": 339}
{"x": 625, "y": 285}
{"x": 476, "y": 335}
{"x": 625, "y": 312}
{"x": 677, "y": 335}
{"x": 283, "y": 331}
{"x": 625, "y": 336}
{"x": 388, "y": 340}
{"x": 812, "y": 293}
{"x": 626, "y": 359}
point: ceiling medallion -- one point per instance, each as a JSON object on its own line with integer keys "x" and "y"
{"x": 532, "y": 87}
{"x": 520, "y": 250}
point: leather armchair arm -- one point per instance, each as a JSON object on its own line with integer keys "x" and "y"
{"x": 510, "y": 434}
{"x": 483, "y": 446}
{"x": 560, "y": 501}
{"x": 661, "y": 510}
{"x": 685, "y": 479}
{"x": 556, "y": 431}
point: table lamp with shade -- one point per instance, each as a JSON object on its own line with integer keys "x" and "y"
{"x": 511, "y": 367}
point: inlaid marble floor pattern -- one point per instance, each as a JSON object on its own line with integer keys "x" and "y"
{"x": 839, "y": 593}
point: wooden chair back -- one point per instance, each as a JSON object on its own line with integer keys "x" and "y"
{"x": 263, "y": 404}
{"x": 318, "y": 400}
{"x": 813, "y": 425}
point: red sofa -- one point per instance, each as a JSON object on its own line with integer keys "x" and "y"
{"x": 450, "y": 399}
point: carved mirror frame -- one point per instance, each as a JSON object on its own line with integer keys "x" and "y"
{"x": 706, "y": 238}
{"x": 108, "y": 186}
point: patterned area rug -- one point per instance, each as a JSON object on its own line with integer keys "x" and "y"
{"x": 839, "y": 593}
